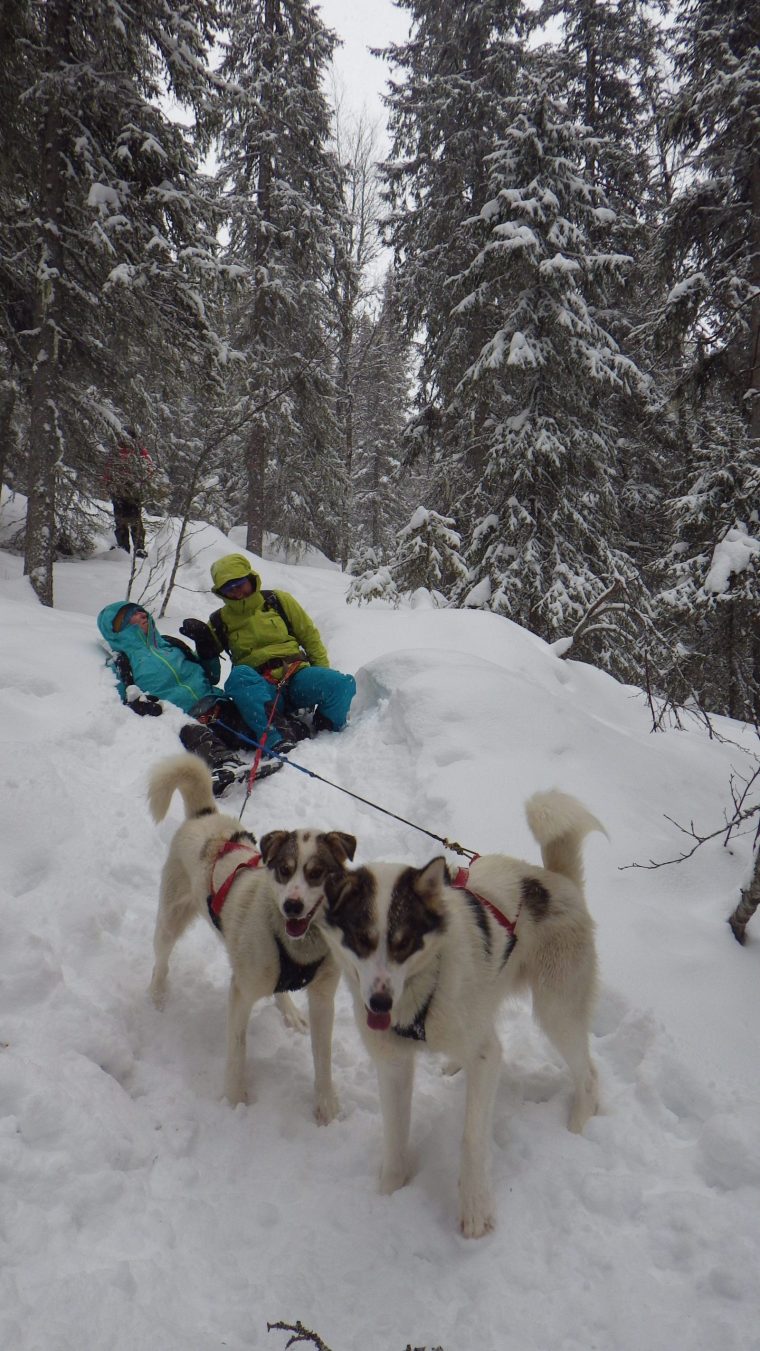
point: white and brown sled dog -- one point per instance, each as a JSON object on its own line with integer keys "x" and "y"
{"x": 429, "y": 963}
{"x": 263, "y": 903}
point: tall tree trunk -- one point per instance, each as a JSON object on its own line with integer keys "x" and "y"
{"x": 750, "y": 899}
{"x": 44, "y": 428}
{"x": 348, "y": 467}
{"x": 256, "y": 465}
{"x": 753, "y": 382}
{"x": 7, "y": 405}
{"x": 256, "y": 462}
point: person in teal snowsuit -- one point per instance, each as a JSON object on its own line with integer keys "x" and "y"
{"x": 162, "y": 667}
{"x": 150, "y": 667}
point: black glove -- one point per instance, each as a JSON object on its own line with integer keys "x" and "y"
{"x": 200, "y": 634}
{"x": 146, "y": 706}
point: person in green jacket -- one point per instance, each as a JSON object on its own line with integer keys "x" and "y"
{"x": 272, "y": 642}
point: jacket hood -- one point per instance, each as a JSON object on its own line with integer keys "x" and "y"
{"x": 229, "y": 569}
{"x": 122, "y": 640}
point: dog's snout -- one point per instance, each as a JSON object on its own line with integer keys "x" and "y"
{"x": 293, "y": 908}
{"x": 381, "y": 1003}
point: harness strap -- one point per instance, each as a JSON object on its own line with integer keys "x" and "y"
{"x": 284, "y": 664}
{"x": 460, "y": 881}
{"x": 216, "y": 899}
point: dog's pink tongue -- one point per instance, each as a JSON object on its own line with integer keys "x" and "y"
{"x": 297, "y": 927}
{"x": 379, "y": 1022}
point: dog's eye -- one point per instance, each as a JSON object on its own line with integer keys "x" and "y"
{"x": 403, "y": 942}
{"x": 360, "y": 943}
{"x": 284, "y": 871}
{"x": 313, "y": 872}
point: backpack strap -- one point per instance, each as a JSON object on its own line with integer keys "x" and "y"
{"x": 178, "y": 643}
{"x": 272, "y": 602}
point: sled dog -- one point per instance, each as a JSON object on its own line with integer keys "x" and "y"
{"x": 262, "y": 902}
{"x": 428, "y": 963}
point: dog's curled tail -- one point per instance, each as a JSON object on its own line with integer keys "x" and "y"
{"x": 191, "y": 776}
{"x": 560, "y": 824}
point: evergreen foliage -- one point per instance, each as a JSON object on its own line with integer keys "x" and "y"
{"x": 445, "y": 114}
{"x": 282, "y": 189}
{"x": 109, "y": 230}
{"x": 428, "y": 554}
{"x": 553, "y": 377}
{"x": 710, "y": 256}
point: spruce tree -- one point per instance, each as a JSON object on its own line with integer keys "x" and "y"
{"x": 428, "y": 555}
{"x": 713, "y": 224}
{"x": 383, "y": 487}
{"x": 710, "y": 257}
{"x": 282, "y": 189}
{"x": 445, "y": 113}
{"x": 111, "y": 231}
{"x": 556, "y": 383}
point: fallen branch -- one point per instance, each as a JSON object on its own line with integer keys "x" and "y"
{"x": 741, "y": 814}
{"x": 300, "y": 1334}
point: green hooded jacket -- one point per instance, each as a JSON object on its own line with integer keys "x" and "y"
{"x": 256, "y": 633}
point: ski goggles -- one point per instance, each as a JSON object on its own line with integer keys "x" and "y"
{"x": 232, "y": 588}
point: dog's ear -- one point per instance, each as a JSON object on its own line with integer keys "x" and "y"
{"x": 341, "y": 846}
{"x": 428, "y": 882}
{"x": 339, "y": 888}
{"x": 271, "y": 843}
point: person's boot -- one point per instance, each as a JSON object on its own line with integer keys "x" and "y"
{"x": 322, "y": 724}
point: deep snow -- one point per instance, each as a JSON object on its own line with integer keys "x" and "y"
{"x": 139, "y": 1211}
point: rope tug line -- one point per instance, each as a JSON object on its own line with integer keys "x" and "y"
{"x": 312, "y": 774}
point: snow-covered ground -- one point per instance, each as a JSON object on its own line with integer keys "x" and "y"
{"x": 139, "y": 1212}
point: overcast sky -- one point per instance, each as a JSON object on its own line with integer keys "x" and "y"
{"x": 362, "y": 24}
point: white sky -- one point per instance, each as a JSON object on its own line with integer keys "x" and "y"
{"x": 362, "y": 24}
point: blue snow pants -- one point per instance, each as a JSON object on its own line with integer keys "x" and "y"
{"x": 331, "y": 691}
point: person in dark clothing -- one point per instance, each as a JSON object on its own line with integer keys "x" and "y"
{"x": 129, "y": 469}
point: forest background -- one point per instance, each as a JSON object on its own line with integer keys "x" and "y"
{"x": 546, "y": 405}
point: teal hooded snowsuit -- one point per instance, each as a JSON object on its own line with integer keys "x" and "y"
{"x": 158, "y": 666}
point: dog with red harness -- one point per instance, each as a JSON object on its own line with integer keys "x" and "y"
{"x": 430, "y": 958}
{"x": 262, "y": 902}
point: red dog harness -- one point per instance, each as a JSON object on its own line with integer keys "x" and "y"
{"x": 460, "y": 882}
{"x": 216, "y": 899}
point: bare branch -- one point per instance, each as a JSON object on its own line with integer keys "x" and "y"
{"x": 609, "y": 601}
{"x": 300, "y": 1334}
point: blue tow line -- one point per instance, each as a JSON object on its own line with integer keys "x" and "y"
{"x": 449, "y": 844}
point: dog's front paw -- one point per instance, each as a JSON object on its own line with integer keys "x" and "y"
{"x": 326, "y": 1108}
{"x": 585, "y": 1103}
{"x": 157, "y": 994}
{"x": 475, "y": 1217}
{"x": 291, "y": 1016}
{"x": 391, "y": 1180}
{"x": 236, "y": 1094}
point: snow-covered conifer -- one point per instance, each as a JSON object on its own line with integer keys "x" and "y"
{"x": 427, "y": 554}
{"x": 446, "y": 103}
{"x": 282, "y": 190}
{"x": 110, "y": 228}
{"x": 556, "y": 382}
